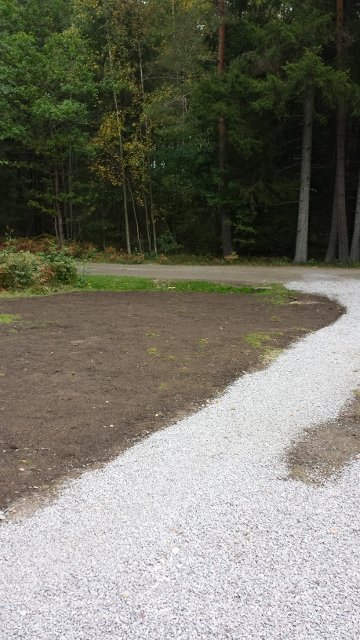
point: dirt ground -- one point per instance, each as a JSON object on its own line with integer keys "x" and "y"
{"x": 85, "y": 375}
{"x": 322, "y": 452}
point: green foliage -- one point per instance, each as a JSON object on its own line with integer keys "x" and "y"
{"x": 167, "y": 243}
{"x": 18, "y": 270}
{"x": 24, "y": 270}
{"x": 64, "y": 268}
{"x": 78, "y": 76}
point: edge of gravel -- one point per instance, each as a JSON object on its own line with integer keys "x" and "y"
{"x": 27, "y": 506}
{"x": 193, "y": 532}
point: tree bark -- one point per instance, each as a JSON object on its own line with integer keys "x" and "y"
{"x": 332, "y": 244}
{"x": 339, "y": 219}
{"x": 301, "y": 251}
{"x": 122, "y": 165}
{"x": 65, "y": 207}
{"x": 70, "y": 186}
{"x": 135, "y": 217}
{"x": 147, "y": 223}
{"x": 340, "y": 186}
{"x": 148, "y": 164}
{"x": 59, "y": 221}
{"x": 355, "y": 244}
{"x": 152, "y": 214}
{"x": 224, "y": 218}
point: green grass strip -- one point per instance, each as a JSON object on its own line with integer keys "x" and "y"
{"x": 277, "y": 293}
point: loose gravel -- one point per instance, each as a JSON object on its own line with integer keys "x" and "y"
{"x": 196, "y": 533}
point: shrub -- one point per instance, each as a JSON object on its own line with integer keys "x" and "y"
{"x": 18, "y": 270}
{"x": 167, "y": 243}
{"x": 42, "y": 244}
{"x": 23, "y": 270}
{"x": 84, "y": 251}
{"x": 63, "y": 268}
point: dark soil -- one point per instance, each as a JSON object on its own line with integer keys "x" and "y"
{"x": 85, "y": 375}
{"x": 323, "y": 452}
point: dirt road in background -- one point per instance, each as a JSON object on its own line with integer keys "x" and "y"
{"x": 238, "y": 274}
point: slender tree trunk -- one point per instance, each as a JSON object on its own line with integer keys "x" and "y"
{"x": 102, "y": 220}
{"x": 151, "y": 242}
{"x": 339, "y": 219}
{"x": 152, "y": 214}
{"x": 332, "y": 244}
{"x": 70, "y": 186}
{"x": 65, "y": 210}
{"x": 340, "y": 186}
{"x": 224, "y": 218}
{"x": 135, "y": 217}
{"x": 301, "y": 252}
{"x": 122, "y": 165}
{"x": 59, "y": 221}
{"x": 355, "y": 244}
{"x": 147, "y": 223}
{"x": 56, "y": 229}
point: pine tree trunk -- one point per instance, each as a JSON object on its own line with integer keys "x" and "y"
{"x": 339, "y": 220}
{"x": 122, "y": 165}
{"x": 59, "y": 221}
{"x": 332, "y": 244}
{"x": 224, "y": 218}
{"x": 301, "y": 252}
{"x": 147, "y": 223}
{"x": 148, "y": 165}
{"x": 65, "y": 207}
{"x": 355, "y": 244}
{"x": 340, "y": 186}
{"x": 135, "y": 217}
{"x": 152, "y": 213}
{"x": 70, "y": 186}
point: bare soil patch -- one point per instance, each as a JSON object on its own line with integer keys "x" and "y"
{"x": 85, "y": 375}
{"x": 324, "y": 451}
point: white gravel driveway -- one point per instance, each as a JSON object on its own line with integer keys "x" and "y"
{"x": 196, "y": 533}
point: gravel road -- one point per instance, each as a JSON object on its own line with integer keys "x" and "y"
{"x": 196, "y": 533}
{"x": 236, "y": 274}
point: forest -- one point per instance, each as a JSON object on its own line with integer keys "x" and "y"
{"x": 226, "y": 127}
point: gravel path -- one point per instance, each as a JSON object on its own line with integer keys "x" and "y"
{"x": 196, "y": 533}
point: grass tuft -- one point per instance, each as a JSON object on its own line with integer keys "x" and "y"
{"x": 257, "y": 339}
{"x": 8, "y": 318}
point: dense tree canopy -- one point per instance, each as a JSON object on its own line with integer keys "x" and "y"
{"x": 156, "y": 125}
